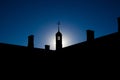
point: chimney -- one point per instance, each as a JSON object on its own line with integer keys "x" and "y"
{"x": 90, "y": 35}
{"x": 31, "y": 41}
{"x": 118, "y": 24}
{"x": 47, "y": 47}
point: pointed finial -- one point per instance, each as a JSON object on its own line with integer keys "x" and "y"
{"x": 58, "y": 26}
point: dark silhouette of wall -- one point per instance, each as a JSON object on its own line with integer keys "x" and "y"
{"x": 99, "y": 52}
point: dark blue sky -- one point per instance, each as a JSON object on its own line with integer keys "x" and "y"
{"x": 20, "y": 18}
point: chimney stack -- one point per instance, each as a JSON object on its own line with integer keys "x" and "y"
{"x": 31, "y": 41}
{"x": 90, "y": 35}
{"x": 118, "y": 24}
{"x": 47, "y": 47}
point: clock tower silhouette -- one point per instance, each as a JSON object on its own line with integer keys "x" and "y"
{"x": 58, "y": 38}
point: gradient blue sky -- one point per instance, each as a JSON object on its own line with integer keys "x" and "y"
{"x": 20, "y": 18}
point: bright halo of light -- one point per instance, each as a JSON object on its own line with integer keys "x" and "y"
{"x": 51, "y": 38}
{"x": 52, "y": 42}
{"x": 65, "y": 41}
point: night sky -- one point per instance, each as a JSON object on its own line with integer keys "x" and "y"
{"x": 21, "y": 18}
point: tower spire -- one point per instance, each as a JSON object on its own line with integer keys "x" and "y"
{"x": 58, "y": 38}
{"x": 58, "y": 26}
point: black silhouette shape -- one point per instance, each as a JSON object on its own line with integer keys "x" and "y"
{"x": 58, "y": 39}
{"x": 119, "y": 24}
{"x": 102, "y": 51}
{"x": 31, "y": 41}
{"x": 90, "y": 35}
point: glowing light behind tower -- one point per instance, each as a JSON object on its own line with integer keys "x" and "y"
{"x": 70, "y": 34}
{"x": 65, "y": 41}
{"x": 49, "y": 36}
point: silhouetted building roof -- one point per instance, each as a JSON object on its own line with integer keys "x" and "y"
{"x": 87, "y": 51}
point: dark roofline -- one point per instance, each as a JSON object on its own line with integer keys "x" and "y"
{"x": 96, "y": 39}
{"x": 13, "y": 45}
